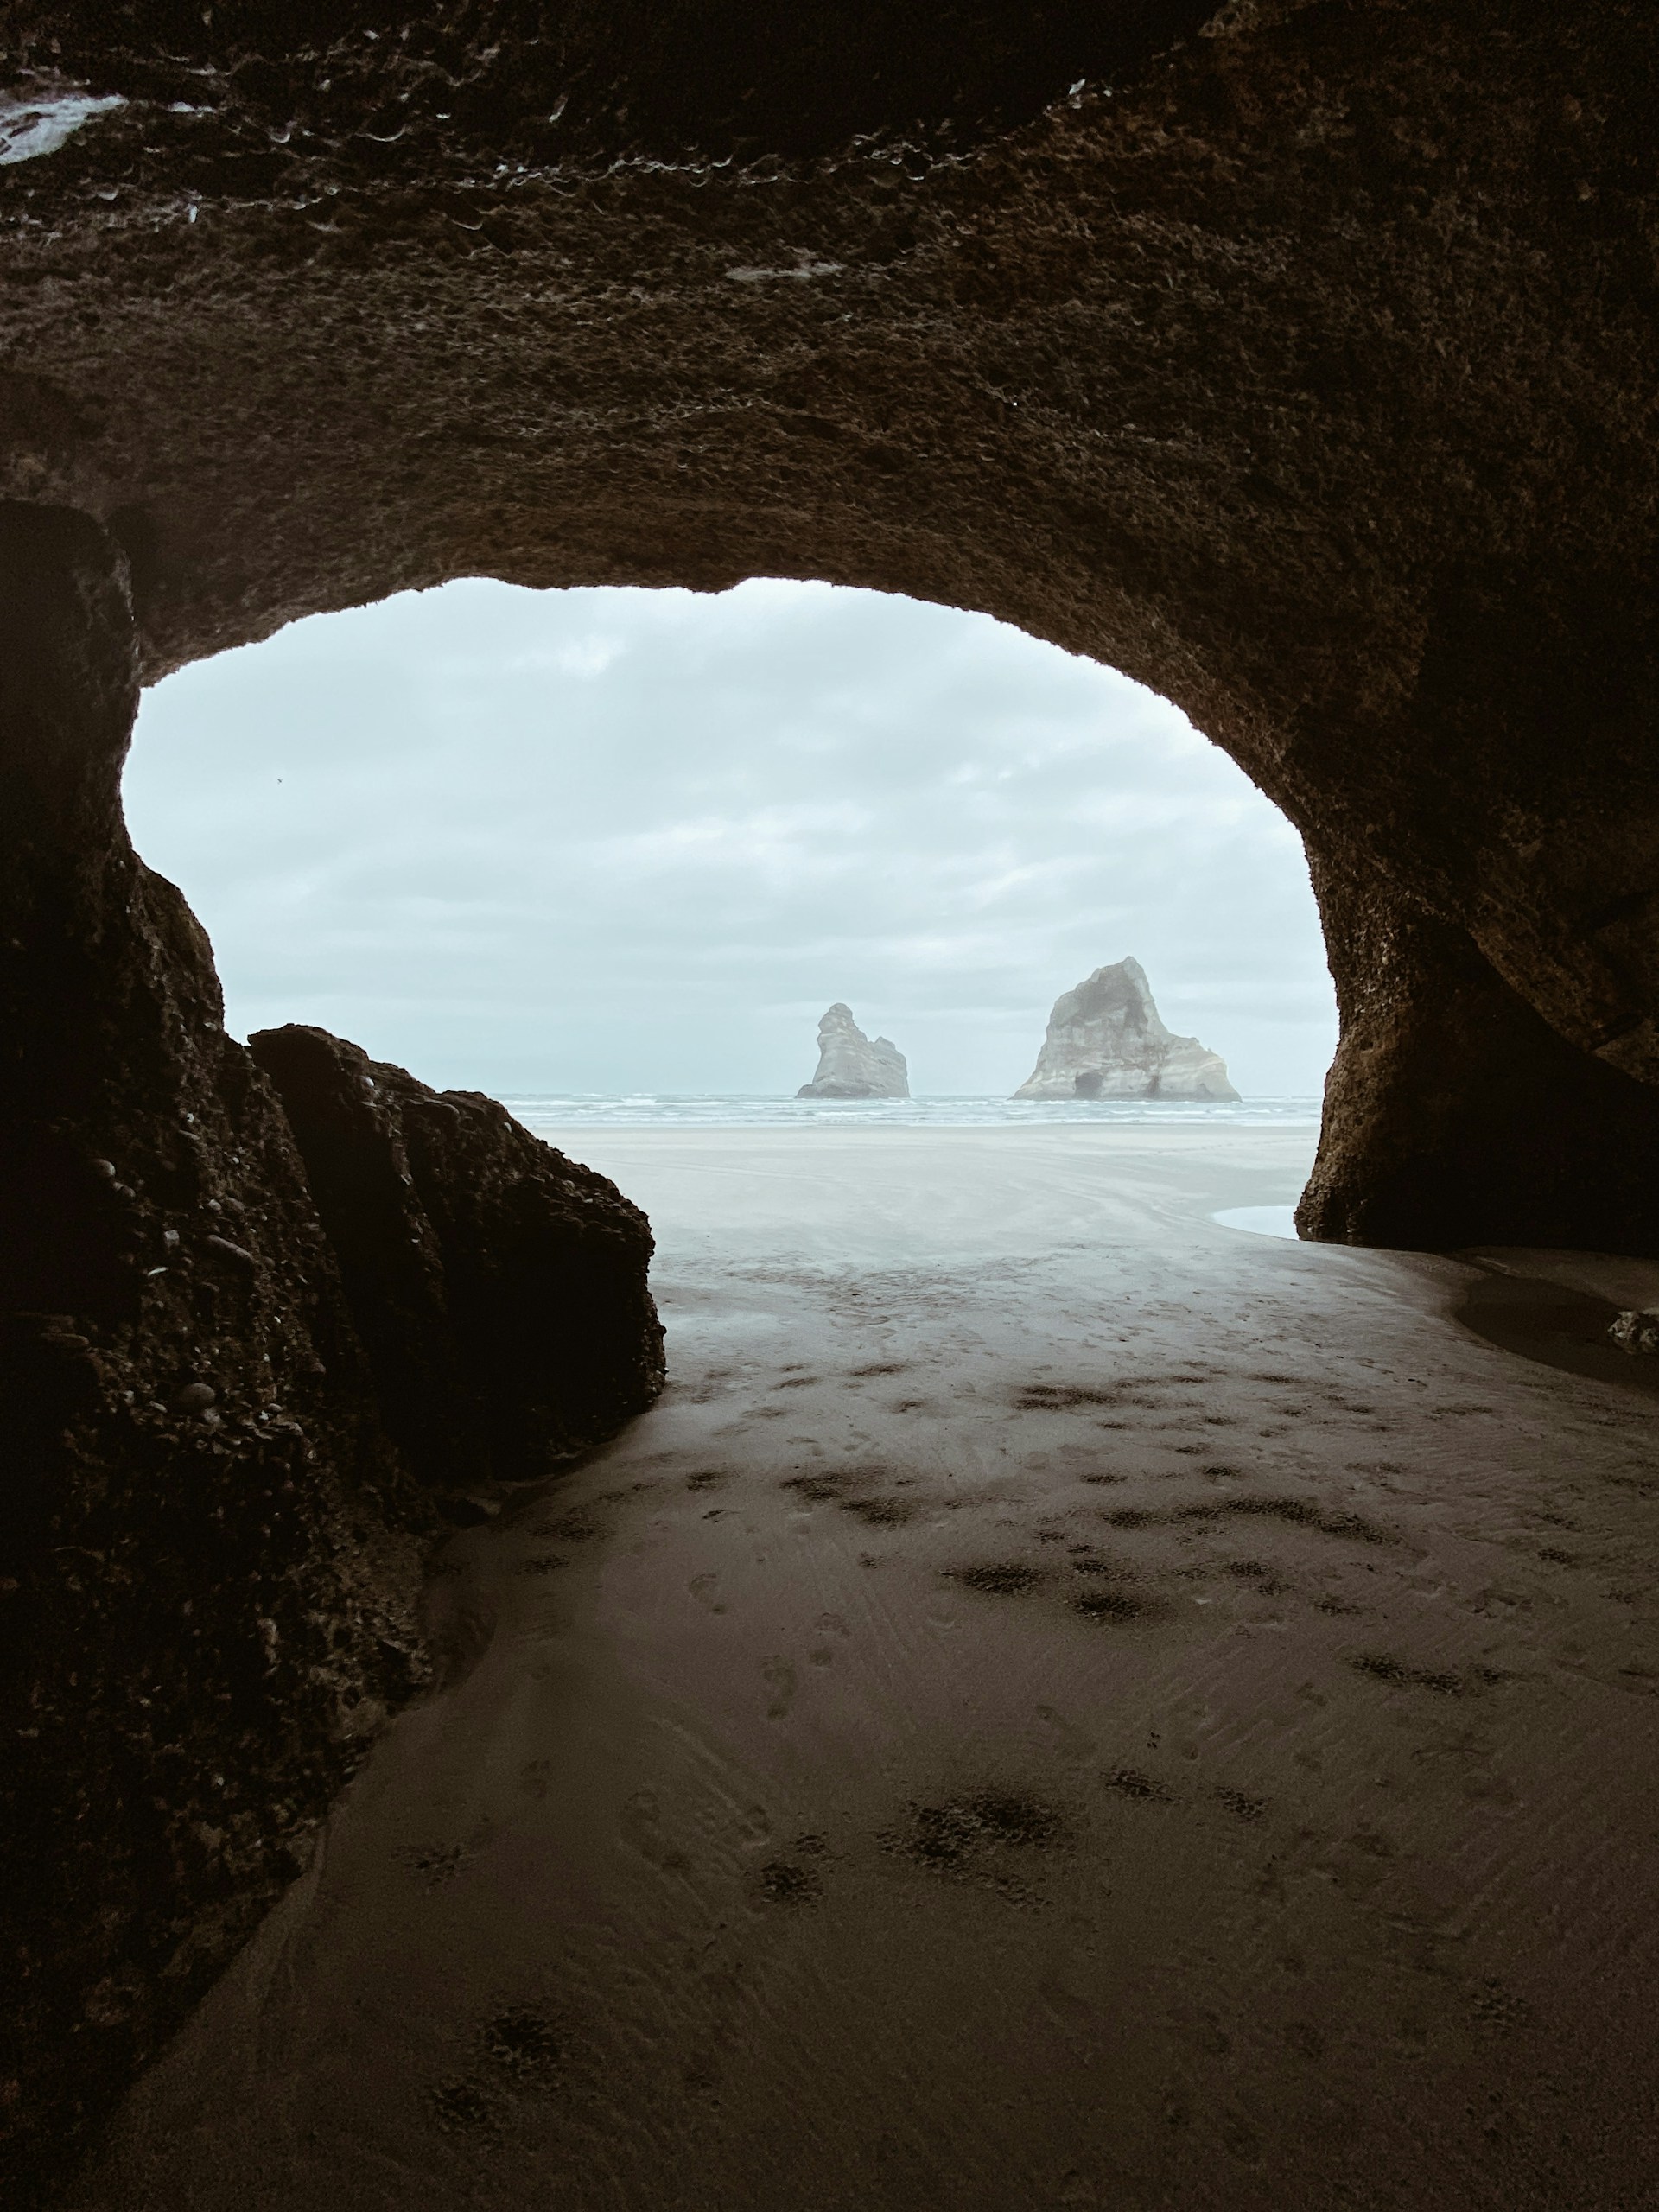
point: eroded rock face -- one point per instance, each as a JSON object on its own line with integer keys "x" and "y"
{"x": 498, "y": 1287}
{"x": 1453, "y": 1113}
{"x": 210, "y": 1545}
{"x": 853, "y": 1065}
{"x": 1107, "y": 1040}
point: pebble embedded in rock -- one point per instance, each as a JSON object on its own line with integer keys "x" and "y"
{"x": 1637, "y": 1329}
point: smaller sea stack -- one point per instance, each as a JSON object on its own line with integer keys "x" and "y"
{"x": 851, "y": 1065}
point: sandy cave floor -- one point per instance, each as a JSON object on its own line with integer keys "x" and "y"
{"x": 1062, "y": 1705}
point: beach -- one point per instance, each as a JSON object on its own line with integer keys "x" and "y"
{"x": 1062, "y": 1704}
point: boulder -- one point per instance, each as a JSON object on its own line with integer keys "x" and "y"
{"x": 852, "y": 1065}
{"x": 498, "y": 1287}
{"x": 1106, "y": 1040}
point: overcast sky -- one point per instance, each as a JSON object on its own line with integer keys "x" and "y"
{"x": 622, "y": 841}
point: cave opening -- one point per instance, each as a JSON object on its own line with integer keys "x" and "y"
{"x": 618, "y": 841}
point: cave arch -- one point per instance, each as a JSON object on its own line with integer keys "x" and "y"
{"x": 1295, "y": 358}
{"x": 1117, "y": 370}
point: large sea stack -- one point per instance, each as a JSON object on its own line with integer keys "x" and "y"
{"x": 851, "y": 1065}
{"x": 1106, "y": 1039}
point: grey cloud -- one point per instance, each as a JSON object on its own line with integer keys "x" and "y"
{"x": 618, "y": 840}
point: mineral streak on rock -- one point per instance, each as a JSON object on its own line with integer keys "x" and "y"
{"x": 41, "y": 114}
{"x": 1106, "y": 1039}
{"x": 210, "y": 1545}
{"x": 853, "y": 1065}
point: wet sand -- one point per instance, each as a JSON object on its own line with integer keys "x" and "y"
{"x": 1063, "y": 1705}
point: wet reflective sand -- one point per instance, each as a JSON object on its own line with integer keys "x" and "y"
{"x": 1063, "y": 1705}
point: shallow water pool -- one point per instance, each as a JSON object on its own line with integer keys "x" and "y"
{"x": 1259, "y": 1221}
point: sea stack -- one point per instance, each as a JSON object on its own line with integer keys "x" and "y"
{"x": 1106, "y": 1040}
{"x": 851, "y": 1065}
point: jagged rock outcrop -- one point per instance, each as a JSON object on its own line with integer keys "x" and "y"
{"x": 210, "y": 1543}
{"x": 498, "y": 1288}
{"x": 853, "y": 1065}
{"x": 1106, "y": 1039}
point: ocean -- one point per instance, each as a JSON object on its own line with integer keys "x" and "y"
{"x": 544, "y": 1111}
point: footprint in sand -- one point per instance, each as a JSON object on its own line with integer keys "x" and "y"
{"x": 1111, "y": 1605}
{"x": 753, "y": 1828}
{"x": 465, "y": 2108}
{"x": 1003, "y": 1579}
{"x": 520, "y": 2052}
{"x": 824, "y": 1655}
{"x": 1384, "y": 1668}
{"x": 576, "y": 1528}
{"x": 641, "y": 1827}
{"x": 780, "y": 1882}
{"x": 522, "y": 2047}
{"x": 780, "y": 1677}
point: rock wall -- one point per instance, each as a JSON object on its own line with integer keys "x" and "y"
{"x": 1107, "y": 1040}
{"x": 1455, "y": 1115}
{"x": 210, "y": 1545}
{"x": 853, "y": 1065}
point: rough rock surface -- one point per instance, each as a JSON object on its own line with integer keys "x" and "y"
{"x": 1454, "y": 1110}
{"x": 1636, "y": 1330}
{"x": 1107, "y": 1040}
{"x": 210, "y": 1548}
{"x": 853, "y": 1065}
{"x": 499, "y": 1289}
